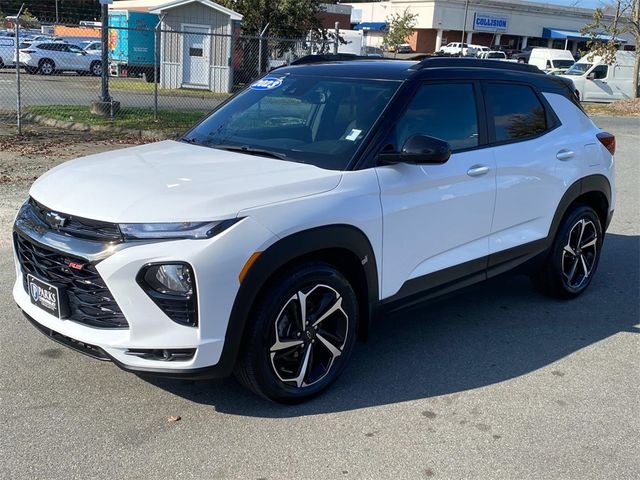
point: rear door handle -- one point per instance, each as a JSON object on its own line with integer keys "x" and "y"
{"x": 565, "y": 154}
{"x": 477, "y": 170}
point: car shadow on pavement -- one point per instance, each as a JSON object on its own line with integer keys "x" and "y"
{"x": 480, "y": 336}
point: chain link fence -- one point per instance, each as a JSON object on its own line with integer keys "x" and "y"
{"x": 162, "y": 75}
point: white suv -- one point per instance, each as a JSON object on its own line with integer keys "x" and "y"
{"x": 47, "y": 58}
{"x": 324, "y": 195}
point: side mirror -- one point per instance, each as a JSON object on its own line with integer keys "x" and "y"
{"x": 591, "y": 76}
{"x": 419, "y": 149}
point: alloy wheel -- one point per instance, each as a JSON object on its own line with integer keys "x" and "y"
{"x": 46, "y": 68}
{"x": 579, "y": 255}
{"x": 309, "y": 334}
{"x": 96, "y": 69}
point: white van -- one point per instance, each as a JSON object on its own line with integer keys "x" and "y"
{"x": 596, "y": 81}
{"x": 551, "y": 60}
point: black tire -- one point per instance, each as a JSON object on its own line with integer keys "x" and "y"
{"x": 96, "y": 69}
{"x": 573, "y": 259}
{"x": 266, "y": 368}
{"x": 47, "y": 67}
{"x": 149, "y": 76}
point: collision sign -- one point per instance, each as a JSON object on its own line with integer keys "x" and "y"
{"x": 490, "y": 22}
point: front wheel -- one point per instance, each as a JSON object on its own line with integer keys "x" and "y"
{"x": 574, "y": 256}
{"x": 301, "y": 335}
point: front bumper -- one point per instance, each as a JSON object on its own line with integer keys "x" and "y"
{"x": 216, "y": 263}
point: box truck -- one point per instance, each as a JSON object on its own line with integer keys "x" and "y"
{"x": 131, "y": 44}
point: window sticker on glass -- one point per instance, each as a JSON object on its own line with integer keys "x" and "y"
{"x": 266, "y": 83}
{"x": 353, "y": 135}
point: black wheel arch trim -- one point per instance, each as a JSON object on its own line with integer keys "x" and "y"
{"x": 593, "y": 183}
{"x": 284, "y": 251}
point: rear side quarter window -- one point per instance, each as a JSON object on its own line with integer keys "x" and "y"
{"x": 515, "y": 113}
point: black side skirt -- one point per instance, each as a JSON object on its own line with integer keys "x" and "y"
{"x": 433, "y": 285}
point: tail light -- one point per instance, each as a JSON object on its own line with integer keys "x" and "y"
{"x": 608, "y": 140}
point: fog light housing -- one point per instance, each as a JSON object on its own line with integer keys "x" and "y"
{"x": 172, "y": 288}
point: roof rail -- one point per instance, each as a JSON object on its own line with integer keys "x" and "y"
{"x": 465, "y": 62}
{"x": 329, "y": 57}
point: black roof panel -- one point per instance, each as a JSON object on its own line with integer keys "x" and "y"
{"x": 431, "y": 68}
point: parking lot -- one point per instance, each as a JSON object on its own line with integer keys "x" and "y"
{"x": 496, "y": 382}
{"x": 73, "y": 89}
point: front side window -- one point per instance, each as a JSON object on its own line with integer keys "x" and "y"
{"x": 516, "y": 112}
{"x": 599, "y": 72}
{"x": 444, "y": 111}
{"x": 316, "y": 120}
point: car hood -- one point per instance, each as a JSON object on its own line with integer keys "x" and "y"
{"x": 173, "y": 181}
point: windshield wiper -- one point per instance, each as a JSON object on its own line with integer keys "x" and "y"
{"x": 251, "y": 151}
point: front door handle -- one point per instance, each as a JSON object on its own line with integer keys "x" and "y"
{"x": 565, "y": 154}
{"x": 477, "y": 170}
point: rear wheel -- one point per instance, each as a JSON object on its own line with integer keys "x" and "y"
{"x": 574, "y": 256}
{"x": 47, "y": 67}
{"x": 96, "y": 69}
{"x": 301, "y": 335}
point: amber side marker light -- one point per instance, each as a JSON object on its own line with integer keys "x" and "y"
{"x": 608, "y": 140}
{"x": 247, "y": 266}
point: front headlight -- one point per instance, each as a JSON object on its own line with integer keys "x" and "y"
{"x": 174, "y": 231}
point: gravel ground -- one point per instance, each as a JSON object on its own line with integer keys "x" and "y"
{"x": 496, "y": 382}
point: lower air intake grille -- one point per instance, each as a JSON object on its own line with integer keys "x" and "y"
{"x": 89, "y": 300}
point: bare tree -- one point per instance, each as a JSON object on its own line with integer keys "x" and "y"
{"x": 622, "y": 16}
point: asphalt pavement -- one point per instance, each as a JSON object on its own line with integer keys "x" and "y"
{"x": 73, "y": 89}
{"x": 494, "y": 382}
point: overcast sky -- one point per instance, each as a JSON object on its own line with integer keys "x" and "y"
{"x": 577, "y": 3}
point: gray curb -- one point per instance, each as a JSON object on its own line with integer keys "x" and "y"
{"x": 83, "y": 127}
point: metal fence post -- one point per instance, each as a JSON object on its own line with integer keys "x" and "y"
{"x": 262, "y": 33}
{"x": 104, "y": 37}
{"x": 156, "y": 67}
{"x": 18, "y": 92}
{"x": 336, "y": 42}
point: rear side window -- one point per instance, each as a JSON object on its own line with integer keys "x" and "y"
{"x": 444, "y": 111}
{"x": 516, "y": 112}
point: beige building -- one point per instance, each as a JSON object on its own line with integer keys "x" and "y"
{"x": 510, "y": 24}
{"x": 195, "y": 41}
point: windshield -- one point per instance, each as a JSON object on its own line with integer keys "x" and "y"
{"x": 578, "y": 69}
{"x": 562, "y": 63}
{"x": 316, "y": 120}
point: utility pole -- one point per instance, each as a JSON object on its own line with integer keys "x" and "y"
{"x": 464, "y": 25}
{"x": 57, "y": 17}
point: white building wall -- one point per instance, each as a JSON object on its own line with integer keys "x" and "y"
{"x": 524, "y": 18}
